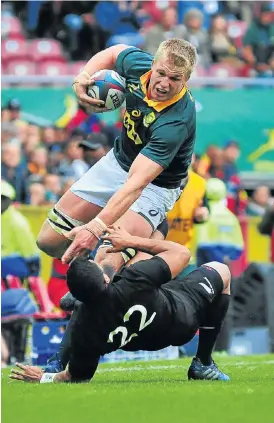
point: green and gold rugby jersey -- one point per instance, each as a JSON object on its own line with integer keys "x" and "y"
{"x": 162, "y": 131}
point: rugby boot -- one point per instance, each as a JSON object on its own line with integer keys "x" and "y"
{"x": 198, "y": 371}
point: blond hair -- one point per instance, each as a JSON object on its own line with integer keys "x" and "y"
{"x": 180, "y": 53}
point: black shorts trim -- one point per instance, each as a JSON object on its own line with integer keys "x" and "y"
{"x": 147, "y": 219}
{"x": 162, "y": 227}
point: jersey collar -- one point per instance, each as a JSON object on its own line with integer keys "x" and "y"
{"x": 158, "y": 105}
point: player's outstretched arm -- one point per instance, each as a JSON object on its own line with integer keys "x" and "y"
{"x": 175, "y": 255}
{"x": 34, "y": 374}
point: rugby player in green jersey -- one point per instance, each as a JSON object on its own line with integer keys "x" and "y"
{"x": 139, "y": 180}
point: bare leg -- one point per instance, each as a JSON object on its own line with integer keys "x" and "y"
{"x": 75, "y": 207}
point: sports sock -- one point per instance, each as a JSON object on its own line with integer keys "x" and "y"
{"x": 210, "y": 330}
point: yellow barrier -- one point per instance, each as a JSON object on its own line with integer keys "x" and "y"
{"x": 36, "y": 216}
{"x": 258, "y": 245}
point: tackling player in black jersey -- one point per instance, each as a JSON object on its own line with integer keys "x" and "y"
{"x": 142, "y": 309}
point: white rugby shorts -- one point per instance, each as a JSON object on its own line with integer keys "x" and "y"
{"x": 105, "y": 178}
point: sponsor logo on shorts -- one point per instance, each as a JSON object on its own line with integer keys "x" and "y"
{"x": 207, "y": 286}
{"x": 153, "y": 213}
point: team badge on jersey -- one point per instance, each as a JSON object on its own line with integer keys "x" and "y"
{"x": 148, "y": 119}
{"x": 133, "y": 87}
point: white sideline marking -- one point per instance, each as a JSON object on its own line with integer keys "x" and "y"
{"x": 139, "y": 368}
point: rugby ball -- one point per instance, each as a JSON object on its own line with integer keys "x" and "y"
{"x": 110, "y": 87}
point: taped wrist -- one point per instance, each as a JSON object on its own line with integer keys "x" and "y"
{"x": 47, "y": 378}
{"x": 97, "y": 227}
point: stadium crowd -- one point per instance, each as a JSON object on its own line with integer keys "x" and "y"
{"x": 232, "y": 38}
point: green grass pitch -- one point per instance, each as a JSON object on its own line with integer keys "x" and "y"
{"x": 149, "y": 392}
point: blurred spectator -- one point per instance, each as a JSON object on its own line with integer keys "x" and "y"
{"x": 61, "y": 135}
{"x": 20, "y": 255}
{"x": 73, "y": 165}
{"x": 54, "y": 140}
{"x": 258, "y": 41}
{"x": 37, "y": 165}
{"x": 49, "y": 138}
{"x": 231, "y": 155}
{"x": 52, "y": 186}
{"x": 237, "y": 197}
{"x": 259, "y": 201}
{"x": 266, "y": 226}
{"x": 165, "y": 29}
{"x": 13, "y": 171}
{"x": 197, "y": 36}
{"x": 74, "y": 25}
{"x": 207, "y": 8}
{"x": 85, "y": 37}
{"x": 22, "y": 131}
{"x": 221, "y": 45}
{"x": 220, "y": 238}
{"x": 93, "y": 148}
{"x": 34, "y": 131}
{"x": 242, "y": 10}
{"x": 216, "y": 168}
{"x": 9, "y": 132}
{"x": 77, "y": 134}
{"x": 5, "y": 115}
{"x": 204, "y": 163}
{"x": 37, "y": 194}
{"x": 32, "y": 142}
{"x": 33, "y": 139}
{"x": 14, "y": 108}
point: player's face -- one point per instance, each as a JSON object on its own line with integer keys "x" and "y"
{"x": 166, "y": 80}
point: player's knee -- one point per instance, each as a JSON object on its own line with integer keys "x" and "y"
{"x": 224, "y": 272}
{"x": 51, "y": 247}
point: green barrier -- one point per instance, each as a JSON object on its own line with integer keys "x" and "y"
{"x": 246, "y": 115}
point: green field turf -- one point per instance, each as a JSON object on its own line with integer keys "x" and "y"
{"x": 149, "y": 392}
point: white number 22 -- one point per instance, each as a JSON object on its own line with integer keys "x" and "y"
{"x": 123, "y": 329}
